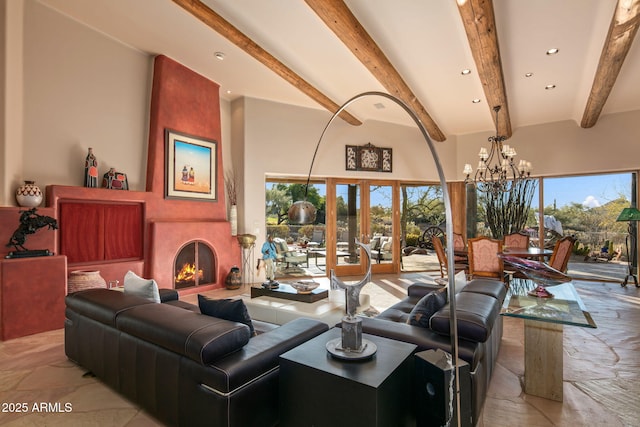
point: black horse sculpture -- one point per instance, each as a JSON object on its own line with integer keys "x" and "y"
{"x": 30, "y": 222}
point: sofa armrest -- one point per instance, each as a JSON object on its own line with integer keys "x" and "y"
{"x": 261, "y": 354}
{"x": 424, "y": 338}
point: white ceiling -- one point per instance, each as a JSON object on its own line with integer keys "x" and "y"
{"x": 424, "y": 39}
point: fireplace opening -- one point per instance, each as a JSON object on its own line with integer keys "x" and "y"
{"x": 194, "y": 266}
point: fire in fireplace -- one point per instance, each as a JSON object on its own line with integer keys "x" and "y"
{"x": 194, "y": 265}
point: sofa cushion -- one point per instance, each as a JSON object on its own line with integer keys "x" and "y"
{"x": 492, "y": 287}
{"x": 203, "y": 339}
{"x": 103, "y": 305}
{"x": 427, "y": 307}
{"x": 476, "y": 314}
{"x": 227, "y": 309}
{"x": 145, "y": 288}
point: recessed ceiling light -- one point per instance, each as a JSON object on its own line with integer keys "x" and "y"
{"x": 219, "y": 55}
{"x": 528, "y": 75}
{"x": 549, "y": 87}
{"x": 553, "y": 51}
{"x": 465, "y": 72}
{"x": 476, "y": 101}
{"x": 228, "y": 92}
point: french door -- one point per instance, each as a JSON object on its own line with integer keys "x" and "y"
{"x": 365, "y": 210}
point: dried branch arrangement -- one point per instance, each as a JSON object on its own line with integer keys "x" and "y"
{"x": 232, "y": 188}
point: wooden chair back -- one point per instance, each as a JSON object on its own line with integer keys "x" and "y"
{"x": 483, "y": 258}
{"x": 516, "y": 240}
{"x": 561, "y": 253}
{"x": 442, "y": 256}
{"x": 458, "y": 241}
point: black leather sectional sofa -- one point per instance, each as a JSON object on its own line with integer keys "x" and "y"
{"x": 183, "y": 367}
{"x": 478, "y": 307}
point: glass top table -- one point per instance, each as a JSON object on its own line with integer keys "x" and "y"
{"x": 544, "y": 319}
{"x": 565, "y": 307}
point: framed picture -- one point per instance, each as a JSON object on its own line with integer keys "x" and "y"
{"x": 368, "y": 158}
{"x": 190, "y": 168}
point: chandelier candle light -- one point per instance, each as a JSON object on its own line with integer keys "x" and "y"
{"x": 497, "y": 170}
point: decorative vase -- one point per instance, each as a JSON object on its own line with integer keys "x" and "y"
{"x": 79, "y": 280}
{"x": 234, "y": 278}
{"x": 233, "y": 218}
{"x": 91, "y": 170}
{"x": 28, "y": 195}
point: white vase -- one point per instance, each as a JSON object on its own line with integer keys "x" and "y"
{"x": 28, "y": 195}
{"x": 233, "y": 218}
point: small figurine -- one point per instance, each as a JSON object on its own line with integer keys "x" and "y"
{"x": 269, "y": 255}
{"x": 30, "y": 222}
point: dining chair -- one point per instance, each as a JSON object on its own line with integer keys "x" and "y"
{"x": 460, "y": 245}
{"x": 516, "y": 240}
{"x": 442, "y": 258}
{"x": 561, "y": 253}
{"x": 483, "y": 258}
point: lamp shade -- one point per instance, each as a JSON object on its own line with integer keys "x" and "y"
{"x": 629, "y": 214}
{"x": 302, "y": 212}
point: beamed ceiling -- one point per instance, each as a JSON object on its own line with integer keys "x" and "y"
{"x": 320, "y": 53}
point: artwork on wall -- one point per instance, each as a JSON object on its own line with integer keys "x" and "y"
{"x": 190, "y": 171}
{"x": 368, "y": 158}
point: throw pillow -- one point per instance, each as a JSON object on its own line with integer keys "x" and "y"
{"x": 461, "y": 280}
{"x": 233, "y": 310}
{"x": 145, "y": 288}
{"x": 426, "y": 307}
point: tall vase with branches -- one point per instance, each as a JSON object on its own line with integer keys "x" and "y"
{"x": 231, "y": 185}
{"x": 507, "y": 212}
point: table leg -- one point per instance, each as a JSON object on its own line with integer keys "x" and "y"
{"x": 543, "y": 365}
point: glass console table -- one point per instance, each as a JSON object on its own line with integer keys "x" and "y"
{"x": 543, "y": 329}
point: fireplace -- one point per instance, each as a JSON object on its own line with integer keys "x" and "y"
{"x": 194, "y": 265}
{"x": 167, "y": 238}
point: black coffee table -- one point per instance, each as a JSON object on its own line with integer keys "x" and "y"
{"x": 287, "y": 292}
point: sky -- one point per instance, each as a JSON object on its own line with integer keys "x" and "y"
{"x": 589, "y": 190}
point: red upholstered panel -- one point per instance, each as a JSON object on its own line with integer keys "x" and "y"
{"x": 123, "y": 231}
{"x": 91, "y": 232}
{"x": 81, "y": 231}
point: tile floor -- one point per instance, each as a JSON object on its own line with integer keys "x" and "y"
{"x": 601, "y": 372}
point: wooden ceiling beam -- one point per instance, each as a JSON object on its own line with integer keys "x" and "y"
{"x": 622, "y": 31}
{"x": 224, "y": 28}
{"x": 337, "y": 16}
{"x": 480, "y": 25}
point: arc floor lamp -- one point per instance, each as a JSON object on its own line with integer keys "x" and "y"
{"x": 303, "y": 212}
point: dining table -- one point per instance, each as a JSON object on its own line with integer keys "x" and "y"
{"x": 530, "y": 252}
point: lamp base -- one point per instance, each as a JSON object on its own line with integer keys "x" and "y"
{"x": 628, "y": 280}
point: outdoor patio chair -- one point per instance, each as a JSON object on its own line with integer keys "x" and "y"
{"x": 483, "y": 258}
{"x": 317, "y": 239}
{"x": 381, "y": 248}
{"x": 284, "y": 255}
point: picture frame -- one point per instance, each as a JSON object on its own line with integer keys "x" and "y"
{"x": 368, "y": 158}
{"x": 190, "y": 167}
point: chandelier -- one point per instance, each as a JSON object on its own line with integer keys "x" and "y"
{"x": 497, "y": 171}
